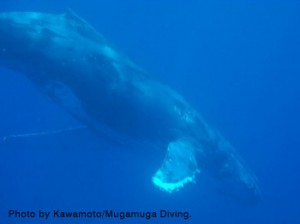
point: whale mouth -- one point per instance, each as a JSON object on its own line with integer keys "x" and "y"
{"x": 179, "y": 167}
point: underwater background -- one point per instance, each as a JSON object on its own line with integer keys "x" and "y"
{"x": 236, "y": 62}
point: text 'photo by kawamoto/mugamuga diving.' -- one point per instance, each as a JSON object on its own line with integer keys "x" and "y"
{"x": 149, "y": 110}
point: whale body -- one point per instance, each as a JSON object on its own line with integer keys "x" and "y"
{"x": 75, "y": 66}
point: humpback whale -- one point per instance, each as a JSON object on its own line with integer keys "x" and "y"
{"x": 78, "y": 68}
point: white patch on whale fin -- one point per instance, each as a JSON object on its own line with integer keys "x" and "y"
{"x": 179, "y": 167}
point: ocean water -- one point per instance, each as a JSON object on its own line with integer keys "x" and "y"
{"x": 236, "y": 62}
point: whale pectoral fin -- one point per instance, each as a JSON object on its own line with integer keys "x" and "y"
{"x": 179, "y": 167}
{"x": 82, "y": 27}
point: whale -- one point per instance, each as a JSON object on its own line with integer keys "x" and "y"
{"x": 74, "y": 65}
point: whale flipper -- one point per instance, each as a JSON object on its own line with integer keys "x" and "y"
{"x": 82, "y": 27}
{"x": 179, "y": 166}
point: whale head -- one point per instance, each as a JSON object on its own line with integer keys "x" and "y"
{"x": 17, "y": 29}
{"x": 23, "y": 36}
{"x": 29, "y": 36}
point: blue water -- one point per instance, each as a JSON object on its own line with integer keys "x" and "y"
{"x": 237, "y": 62}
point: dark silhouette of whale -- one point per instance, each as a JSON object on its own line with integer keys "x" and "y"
{"x": 74, "y": 65}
